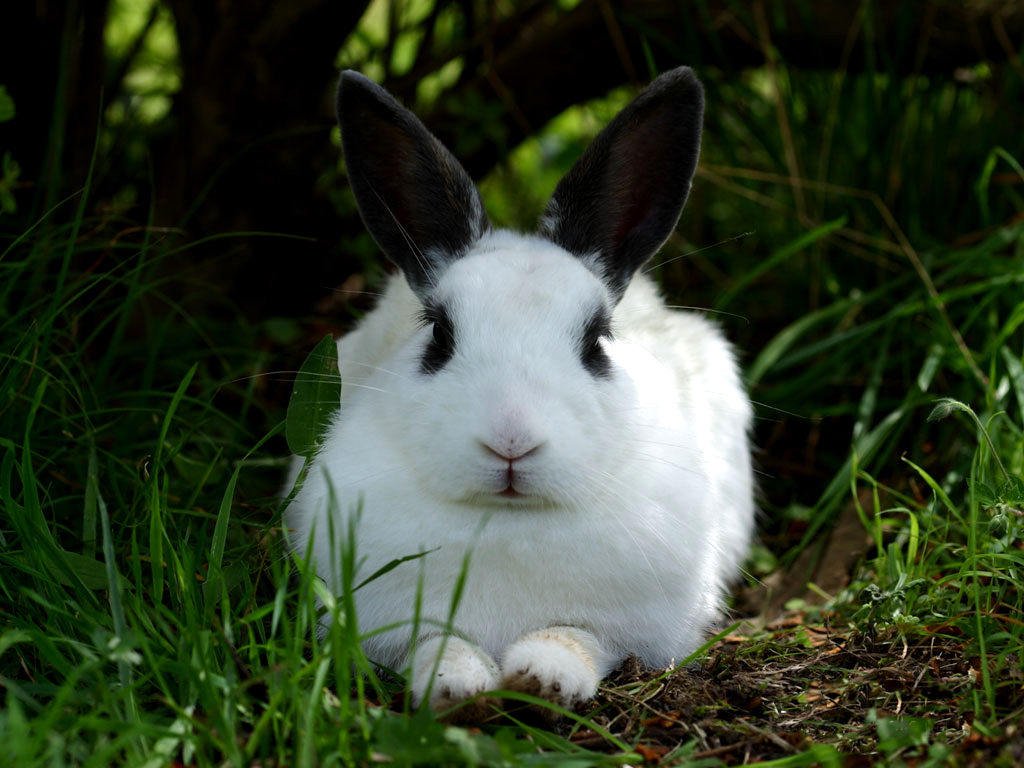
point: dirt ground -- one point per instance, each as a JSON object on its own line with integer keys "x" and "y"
{"x": 790, "y": 686}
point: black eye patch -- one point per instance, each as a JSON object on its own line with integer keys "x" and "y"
{"x": 441, "y": 347}
{"x": 592, "y": 354}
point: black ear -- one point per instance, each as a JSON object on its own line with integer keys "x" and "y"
{"x": 415, "y": 198}
{"x": 622, "y": 199}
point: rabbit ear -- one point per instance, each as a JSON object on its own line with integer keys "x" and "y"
{"x": 415, "y": 198}
{"x": 622, "y": 199}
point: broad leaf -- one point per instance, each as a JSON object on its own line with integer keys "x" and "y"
{"x": 316, "y": 395}
{"x": 6, "y": 105}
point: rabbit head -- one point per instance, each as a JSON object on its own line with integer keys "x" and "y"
{"x": 510, "y": 392}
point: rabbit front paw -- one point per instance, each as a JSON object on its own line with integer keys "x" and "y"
{"x": 558, "y": 664}
{"x": 462, "y": 673}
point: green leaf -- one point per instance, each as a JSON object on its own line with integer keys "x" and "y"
{"x": 87, "y": 571}
{"x": 9, "y": 177}
{"x": 6, "y": 105}
{"x": 1015, "y": 369}
{"x": 944, "y": 407}
{"x": 1012, "y": 491}
{"x": 93, "y": 573}
{"x": 985, "y": 495}
{"x": 981, "y": 185}
{"x": 214, "y": 585}
{"x": 316, "y": 395}
{"x": 91, "y": 495}
{"x": 900, "y": 733}
{"x": 391, "y": 566}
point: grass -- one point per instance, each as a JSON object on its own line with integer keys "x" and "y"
{"x": 149, "y": 614}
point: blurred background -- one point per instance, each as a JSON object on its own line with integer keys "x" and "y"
{"x": 855, "y": 223}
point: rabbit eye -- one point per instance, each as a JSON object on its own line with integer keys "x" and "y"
{"x": 441, "y": 346}
{"x": 592, "y": 354}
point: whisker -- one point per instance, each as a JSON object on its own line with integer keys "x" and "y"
{"x": 349, "y": 292}
{"x": 285, "y": 376}
{"x": 641, "y": 550}
{"x": 710, "y": 311}
{"x": 421, "y": 258}
{"x": 699, "y": 250}
{"x": 760, "y": 404}
{"x": 373, "y": 367}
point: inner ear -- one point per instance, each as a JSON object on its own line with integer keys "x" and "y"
{"x": 622, "y": 199}
{"x": 414, "y": 197}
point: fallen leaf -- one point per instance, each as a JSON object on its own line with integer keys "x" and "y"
{"x": 652, "y": 754}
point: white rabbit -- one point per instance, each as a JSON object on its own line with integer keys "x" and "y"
{"x": 529, "y": 399}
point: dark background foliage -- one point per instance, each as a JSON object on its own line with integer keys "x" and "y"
{"x": 245, "y": 145}
{"x": 867, "y": 125}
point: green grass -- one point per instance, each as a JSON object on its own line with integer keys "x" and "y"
{"x": 150, "y": 614}
{"x": 150, "y": 611}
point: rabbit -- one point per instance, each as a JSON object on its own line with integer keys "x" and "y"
{"x": 525, "y": 412}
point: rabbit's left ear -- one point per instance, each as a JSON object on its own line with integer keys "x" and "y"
{"x": 415, "y": 198}
{"x": 622, "y": 199}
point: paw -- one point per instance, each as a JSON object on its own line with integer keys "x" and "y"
{"x": 463, "y": 672}
{"x": 558, "y": 664}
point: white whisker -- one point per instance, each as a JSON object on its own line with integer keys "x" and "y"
{"x": 698, "y": 250}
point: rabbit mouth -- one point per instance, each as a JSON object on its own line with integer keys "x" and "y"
{"x": 509, "y": 497}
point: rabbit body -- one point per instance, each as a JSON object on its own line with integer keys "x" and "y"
{"x": 548, "y": 432}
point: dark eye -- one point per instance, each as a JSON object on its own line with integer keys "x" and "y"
{"x": 592, "y": 354}
{"x": 441, "y": 346}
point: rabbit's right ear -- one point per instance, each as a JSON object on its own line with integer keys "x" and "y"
{"x": 621, "y": 200}
{"x": 414, "y": 197}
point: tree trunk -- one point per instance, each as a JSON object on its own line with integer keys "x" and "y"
{"x": 52, "y": 64}
{"x": 251, "y": 139}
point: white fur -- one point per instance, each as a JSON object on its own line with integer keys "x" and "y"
{"x": 636, "y": 509}
{"x": 557, "y": 664}
{"x": 450, "y": 670}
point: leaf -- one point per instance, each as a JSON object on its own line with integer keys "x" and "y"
{"x": 213, "y": 587}
{"x": 316, "y": 396}
{"x": 87, "y": 570}
{"x": 944, "y": 407}
{"x": 900, "y": 733}
{"x": 929, "y": 367}
{"x": 6, "y": 105}
{"x": 981, "y": 185}
{"x": 1012, "y": 491}
{"x": 984, "y": 493}
{"x": 92, "y": 572}
{"x": 1015, "y": 369}
{"x": 391, "y": 566}
{"x": 11, "y": 172}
